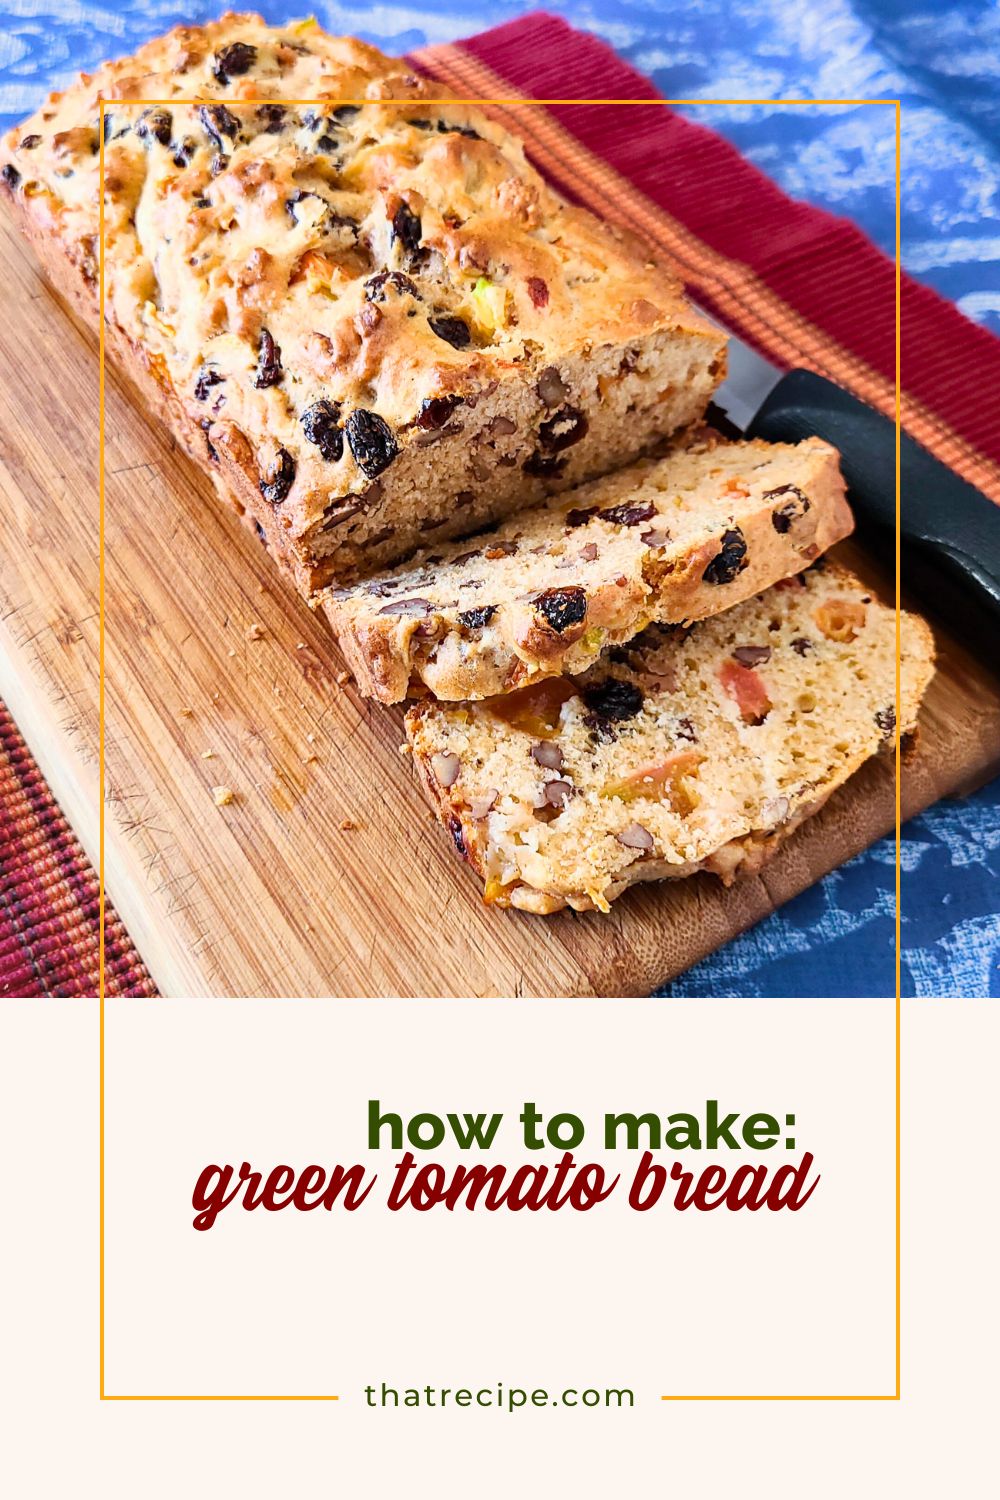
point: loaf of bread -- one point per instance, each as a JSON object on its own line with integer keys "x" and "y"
{"x": 363, "y": 311}
{"x": 670, "y": 539}
{"x": 689, "y": 749}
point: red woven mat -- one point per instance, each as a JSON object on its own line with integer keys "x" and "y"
{"x": 49, "y": 899}
{"x": 806, "y": 288}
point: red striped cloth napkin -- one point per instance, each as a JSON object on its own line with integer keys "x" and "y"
{"x": 49, "y": 895}
{"x": 805, "y": 288}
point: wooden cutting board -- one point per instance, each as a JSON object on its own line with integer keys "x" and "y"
{"x": 326, "y": 874}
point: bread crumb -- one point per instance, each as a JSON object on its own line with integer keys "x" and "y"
{"x": 311, "y": 738}
{"x": 347, "y": 826}
{"x": 343, "y": 678}
{"x": 256, "y": 632}
{"x": 307, "y": 760}
{"x": 300, "y": 645}
{"x": 222, "y": 796}
{"x": 185, "y": 713}
{"x": 230, "y": 653}
{"x": 406, "y": 749}
{"x": 208, "y": 755}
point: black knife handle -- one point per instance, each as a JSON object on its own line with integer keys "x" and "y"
{"x": 949, "y": 530}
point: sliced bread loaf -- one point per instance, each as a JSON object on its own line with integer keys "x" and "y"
{"x": 670, "y": 539}
{"x": 368, "y": 316}
{"x": 689, "y": 749}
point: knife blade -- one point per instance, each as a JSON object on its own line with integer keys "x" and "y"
{"x": 949, "y": 530}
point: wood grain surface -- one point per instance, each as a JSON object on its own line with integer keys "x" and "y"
{"x": 326, "y": 873}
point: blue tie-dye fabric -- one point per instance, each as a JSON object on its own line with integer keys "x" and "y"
{"x": 942, "y": 58}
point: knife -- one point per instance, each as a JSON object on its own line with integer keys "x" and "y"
{"x": 950, "y": 531}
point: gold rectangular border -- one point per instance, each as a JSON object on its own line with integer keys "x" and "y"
{"x": 896, "y": 1395}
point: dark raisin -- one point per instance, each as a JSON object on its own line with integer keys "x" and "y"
{"x": 371, "y": 440}
{"x": 282, "y": 476}
{"x": 217, "y": 165}
{"x": 475, "y": 619}
{"x": 269, "y": 371}
{"x": 377, "y": 285}
{"x": 206, "y": 379}
{"x": 272, "y": 118}
{"x": 260, "y": 531}
{"x": 730, "y": 560}
{"x": 10, "y": 175}
{"x": 234, "y": 60}
{"x": 320, "y": 426}
{"x": 567, "y": 427}
{"x": 445, "y": 129}
{"x": 114, "y": 127}
{"x": 155, "y": 124}
{"x": 801, "y": 646}
{"x": 628, "y": 515}
{"x": 885, "y": 720}
{"x": 406, "y": 227}
{"x": 205, "y": 424}
{"x": 184, "y": 150}
{"x": 562, "y": 607}
{"x": 435, "y": 411}
{"x": 686, "y": 731}
{"x": 326, "y": 143}
{"x": 752, "y": 656}
{"x": 538, "y": 291}
{"x": 218, "y": 122}
{"x": 783, "y": 516}
{"x": 580, "y": 517}
{"x": 613, "y": 700}
{"x": 541, "y": 467}
{"x": 344, "y": 112}
{"x": 453, "y": 330}
{"x": 457, "y": 837}
{"x": 30, "y": 142}
{"x": 201, "y": 201}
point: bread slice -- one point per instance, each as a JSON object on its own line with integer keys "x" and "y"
{"x": 365, "y": 314}
{"x": 671, "y": 539}
{"x": 687, "y": 750}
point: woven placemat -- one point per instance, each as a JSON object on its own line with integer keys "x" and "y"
{"x": 49, "y": 897}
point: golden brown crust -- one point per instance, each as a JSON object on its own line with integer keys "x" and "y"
{"x": 398, "y": 261}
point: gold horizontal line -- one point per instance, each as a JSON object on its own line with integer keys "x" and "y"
{"x": 105, "y": 1397}
{"x": 894, "y": 1397}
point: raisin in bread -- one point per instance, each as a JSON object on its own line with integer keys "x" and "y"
{"x": 671, "y": 539}
{"x": 373, "y": 322}
{"x": 690, "y": 749}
